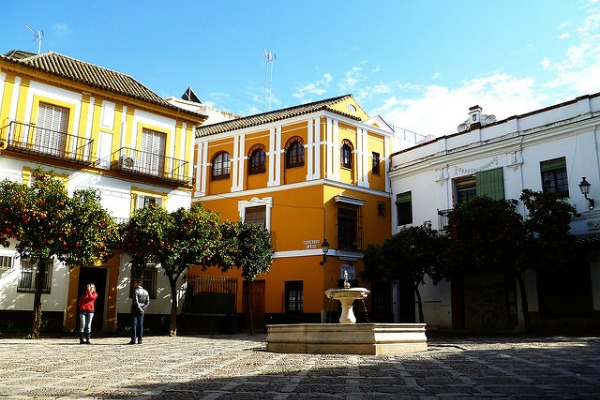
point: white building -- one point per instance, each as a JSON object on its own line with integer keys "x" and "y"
{"x": 553, "y": 148}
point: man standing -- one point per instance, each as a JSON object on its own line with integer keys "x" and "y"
{"x": 139, "y": 304}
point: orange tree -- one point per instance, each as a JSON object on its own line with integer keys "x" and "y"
{"x": 253, "y": 255}
{"x": 176, "y": 240}
{"x": 485, "y": 236}
{"x": 550, "y": 248}
{"x": 408, "y": 256}
{"x": 48, "y": 224}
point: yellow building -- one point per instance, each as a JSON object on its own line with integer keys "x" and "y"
{"x": 313, "y": 175}
{"x": 101, "y": 129}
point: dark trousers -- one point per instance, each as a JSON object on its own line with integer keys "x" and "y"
{"x": 137, "y": 327}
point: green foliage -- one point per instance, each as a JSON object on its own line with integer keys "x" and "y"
{"x": 549, "y": 245}
{"x": 176, "y": 240}
{"x": 255, "y": 251}
{"x": 485, "y": 235}
{"x": 411, "y": 253}
{"x": 374, "y": 261}
{"x": 47, "y": 223}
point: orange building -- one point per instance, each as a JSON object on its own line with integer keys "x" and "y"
{"x": 315, "y": 176}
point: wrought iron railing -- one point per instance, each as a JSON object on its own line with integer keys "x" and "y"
{"x": 443, "y": 219}
{"x": 28, "y": 138}
{"x": 27, "y": 281}
{"x": 210, "y": 294}
{"x": 138, "y": 162}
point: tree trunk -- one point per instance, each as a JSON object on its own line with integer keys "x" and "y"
{"x": 173, "y": 319}
{"x": 248, "y": 298}
{"x": 420, "y": 304}
{"x": 524, "y": 303}
{"x": 42, "y": 266}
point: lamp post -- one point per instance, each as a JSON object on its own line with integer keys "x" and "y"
{"x": 584, "y": 186}
{"x": 325, "y": 248}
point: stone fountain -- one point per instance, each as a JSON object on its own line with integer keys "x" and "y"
{"x": 347, "y": 337}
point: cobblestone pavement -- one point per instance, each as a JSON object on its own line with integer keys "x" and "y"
{"x": 239, "y": 367}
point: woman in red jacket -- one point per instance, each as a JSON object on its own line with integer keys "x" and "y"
{"x": 86, "y": 312}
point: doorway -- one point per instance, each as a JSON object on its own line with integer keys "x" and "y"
{"x": 257, "y": 301}
{"x": 97, "y": 276}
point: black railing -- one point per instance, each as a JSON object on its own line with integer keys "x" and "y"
{"x": 443, "y": 219}
{"x": 27, "y": 281}
{"x": 28, "y": 138}
{"x": 137, "y": 162}
{"x": 210, "y": 294}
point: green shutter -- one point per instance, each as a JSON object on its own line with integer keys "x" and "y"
{"x": 490, "y": 183}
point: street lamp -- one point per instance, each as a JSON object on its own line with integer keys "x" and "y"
{"x": 325, "y": 248}
{"x": 584, "y": 186}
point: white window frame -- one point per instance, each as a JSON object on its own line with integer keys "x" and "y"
{"x": 267, "y": 202}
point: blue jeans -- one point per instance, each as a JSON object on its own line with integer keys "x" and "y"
{"x": 137, "y": 328}
{"x": 85, "y": 321}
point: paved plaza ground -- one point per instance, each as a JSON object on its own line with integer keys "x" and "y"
{"x": 239, "y": 367}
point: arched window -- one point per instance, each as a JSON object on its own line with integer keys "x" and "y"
{"x": 220, "y": 166}
{"x": 257, "y": 160}
{"x": 295, "y": 153}
{"x": 346, "y": 154}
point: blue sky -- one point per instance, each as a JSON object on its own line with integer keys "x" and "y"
{"x": 418, "y": 64}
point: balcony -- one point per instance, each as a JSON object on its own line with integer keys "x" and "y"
{"x": 135, "y": 162}
{"x": 29, "y": 139}
{"x": 443, "y": 219}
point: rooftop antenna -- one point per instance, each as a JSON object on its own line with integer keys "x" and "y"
{"x": 270, "y": 62}
{"x": 38, "y": 37}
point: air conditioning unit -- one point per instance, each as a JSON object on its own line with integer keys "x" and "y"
{"x": 127, "y": 162}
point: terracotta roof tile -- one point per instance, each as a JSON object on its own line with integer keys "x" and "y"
{"x": 89, "y": 74}
{"x": 272, "y": 116}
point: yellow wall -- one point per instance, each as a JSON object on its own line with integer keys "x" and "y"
{"x": 305, "y": 211}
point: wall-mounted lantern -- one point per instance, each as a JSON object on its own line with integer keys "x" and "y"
{"x": 584, "y": 186}
{"x": 325, "y": 248}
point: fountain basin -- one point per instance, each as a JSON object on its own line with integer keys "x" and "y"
{"x": 363, "y": 338}
{"x": 346, "y": 297}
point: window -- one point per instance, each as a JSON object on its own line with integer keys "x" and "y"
{"x": 256, "y": 215}
{"x": 28, "y": 275}
{"x": 404, "y": 208}
{"x": 347, "y": 228}
{"x": 220, "y": 166}
{"x": 257, "y": 160}
{"x": 554, "y": 176}
{"x": 257, "y": 211}
{"x": 153, "y": 152}
{"x": 381, "y": 212}
{"x": 375, "y": 160}
{"x": 148, "y": 278}
{"x": 51, "y": 129}
{"x": 295, "y": 153}
{"x": 6, "y": 262}
{"x": 346, "y": 154}
{"x": 484, "y": 183}
{"x": 465, "y": 189}
{"x": 144, "y": 201}
{"x": 294, "y": 297}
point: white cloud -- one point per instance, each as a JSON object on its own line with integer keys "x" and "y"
{"x": 315, "y": 88}
{"x": 578, "y": 71}
{"x": 61, "y": 29}
{"x": 352, "y": 78}
{"x": 438, "y": 110}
